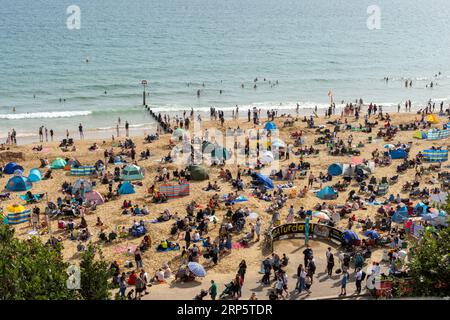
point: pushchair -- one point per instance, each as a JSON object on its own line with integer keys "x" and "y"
{"x": 201, "y": 295}
{"x": 228, "y": 291}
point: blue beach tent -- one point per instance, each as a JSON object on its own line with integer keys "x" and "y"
{"x": 398, "y": 154}
{"x": 421, "y": 208}
{"x": 35, "y": 175}
{"x": 349, "y": 236}
{"x": 264, "y": 180}
{"x": 327, "y": 193}
{"x": 400, "y": 215}
{"x": 126, "y": 188}
{"x": 18, "y": 184}
{"x": 11, "y": 167}
{"x": 335, "y": 169}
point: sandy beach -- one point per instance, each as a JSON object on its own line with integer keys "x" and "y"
{"x": 110, "y": 211}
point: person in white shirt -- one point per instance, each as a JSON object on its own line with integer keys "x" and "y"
{"x": 376, "y": 270}
{"x": 159, "y": 276}
{"x": 358, "y": 280}
{"x": 258, "y": 228}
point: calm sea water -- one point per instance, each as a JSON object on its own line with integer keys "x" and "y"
{"x": 310, "y": 47}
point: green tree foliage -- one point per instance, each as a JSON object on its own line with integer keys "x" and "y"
{"x": 429, "y": 264}
{"x": 31, "y": 270}
{"x": 95, "y": 275}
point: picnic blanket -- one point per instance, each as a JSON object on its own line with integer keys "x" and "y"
{"x": 375, "y": 203}
{"x": 36, "y": 197}
{"x": 238, "y": 199}
{"x": 238, "y": 245}
{"x": 124, "y": 249}
{"x": 285, "y": 186}
{"x": 176, "y": 248}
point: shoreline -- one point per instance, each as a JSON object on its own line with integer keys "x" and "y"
{"x": 136, "y": 130}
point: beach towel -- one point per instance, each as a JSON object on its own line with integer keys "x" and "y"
{"x": 238, "y": 245}
{"x": 375, "y": 203}
{"x": 36, "y": 197}
{"x": 124, "y": 249}
{"x": 238, "y": 199}
{"x": 284, "y": 186}
{"x": 176, "y": 248}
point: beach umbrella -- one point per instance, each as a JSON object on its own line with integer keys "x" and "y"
{"x": 197, "y": 269}
{"x": 267, "y": 157}
{"x": 320, "y": 215}
{"x": 277, "y": 143}
{"x": 372, "y": 234}
{"x": 270, "y": 126}
{"x": 265, "y": 180}
{"x": 389, "y": 146}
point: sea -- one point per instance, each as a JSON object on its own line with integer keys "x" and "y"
{"x": 61, "y": 66}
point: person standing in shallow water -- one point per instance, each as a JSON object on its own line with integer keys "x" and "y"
{"x": 127, "y": 126}
{"x": 80, "y": 129}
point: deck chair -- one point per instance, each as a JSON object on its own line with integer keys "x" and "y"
{"x": 382, "y": 189}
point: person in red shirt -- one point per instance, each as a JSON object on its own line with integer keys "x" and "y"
{"x": 132, "y": 278}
